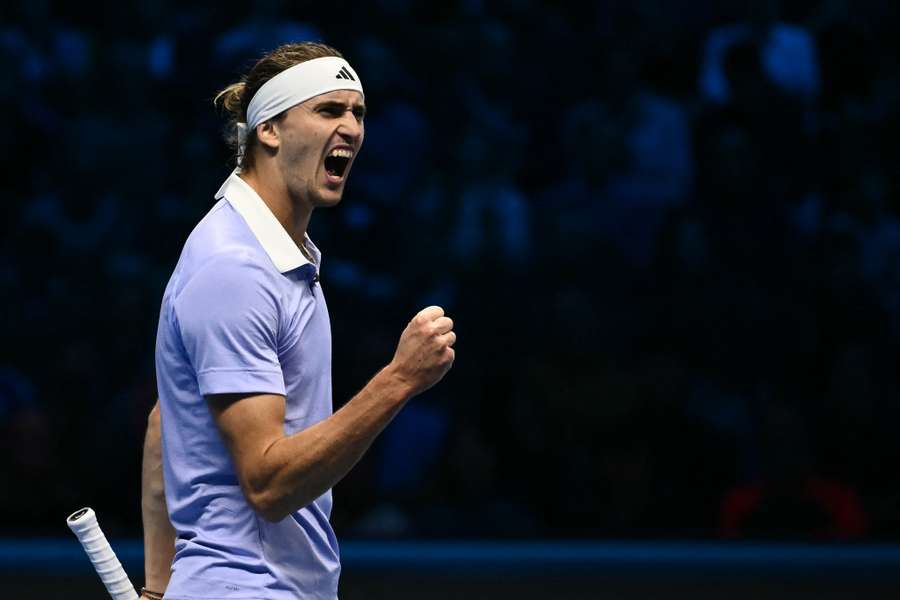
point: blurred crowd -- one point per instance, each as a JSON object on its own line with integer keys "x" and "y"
{"x": 668, "y": 232}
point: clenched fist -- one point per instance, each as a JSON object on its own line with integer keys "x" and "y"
{"x": 425, "y": 351}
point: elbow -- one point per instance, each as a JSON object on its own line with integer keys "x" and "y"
{"x": 271, "y": 491}
{"x": 272, "y": 516}
{"x": 153, "y": 421}
{"x": 262, "y": 494}
{"x": 153, "y": 439}
{"x": 274, "y": 503}
{"x": 153, "y": 486}
{"x": 267, "y": 505}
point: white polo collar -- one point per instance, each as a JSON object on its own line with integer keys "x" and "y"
{"x": 275, "y": 240}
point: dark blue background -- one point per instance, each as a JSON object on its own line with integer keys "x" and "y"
{"x": 668, "y": 233}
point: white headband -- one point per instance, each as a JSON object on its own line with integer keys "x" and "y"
{"x": 295, "y": 85}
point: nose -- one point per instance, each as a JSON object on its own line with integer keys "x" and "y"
{"x": 350, "y": 128}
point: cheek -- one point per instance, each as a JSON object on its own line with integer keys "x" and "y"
{"x": 298, "y": 152}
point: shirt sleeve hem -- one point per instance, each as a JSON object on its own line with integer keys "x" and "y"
{"x": 240, "y": 381}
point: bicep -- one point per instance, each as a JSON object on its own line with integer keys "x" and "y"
{"x": 249, "y": 424}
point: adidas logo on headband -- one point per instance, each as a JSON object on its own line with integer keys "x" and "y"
{"x": 344, "y": 74}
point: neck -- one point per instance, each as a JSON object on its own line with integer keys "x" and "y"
{"x": 293, "y": 213}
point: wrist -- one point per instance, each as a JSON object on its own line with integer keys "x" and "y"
{"x": 151, "y": 594}
{"x": 393, "y": 384}
{"x": 156, "y": 581}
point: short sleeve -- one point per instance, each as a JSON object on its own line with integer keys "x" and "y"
{"x": 228, "y": 315}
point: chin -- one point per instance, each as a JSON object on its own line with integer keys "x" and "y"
{"x": 327, "y": 198}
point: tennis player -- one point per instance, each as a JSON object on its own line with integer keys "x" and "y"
{"x": 250, "y": 447}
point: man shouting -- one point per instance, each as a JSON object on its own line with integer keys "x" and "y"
{"x": 250, "y": 447}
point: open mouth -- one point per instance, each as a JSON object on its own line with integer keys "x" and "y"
{"x": 337, "y": 161}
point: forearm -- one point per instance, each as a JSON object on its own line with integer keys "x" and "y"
{"x": 297, "y": 469}
{"x": 280, "y": 474}
{"x": 159, "y": 535}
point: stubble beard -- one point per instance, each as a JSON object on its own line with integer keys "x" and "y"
{"x": 319, "y": 198}
{"x": 309, "y": 191}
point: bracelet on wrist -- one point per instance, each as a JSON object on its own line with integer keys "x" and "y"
{"x": 151, "y": 594}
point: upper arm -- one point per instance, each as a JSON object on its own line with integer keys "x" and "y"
{"x": 227, "y": 316}
{"x": 249, "y": 425}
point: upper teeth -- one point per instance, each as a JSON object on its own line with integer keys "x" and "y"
{"x": 341, "y": 152}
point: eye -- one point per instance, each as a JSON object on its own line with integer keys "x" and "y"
{"x": 331, "y": 111}
{"x": 359, "y": 113}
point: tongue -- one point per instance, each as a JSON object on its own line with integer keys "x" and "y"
{"x": 335, "y": 165}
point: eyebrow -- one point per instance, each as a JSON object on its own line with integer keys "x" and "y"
{"x": 341, "y": 105}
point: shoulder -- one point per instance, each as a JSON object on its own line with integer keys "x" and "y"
{"x": 222, "y": 232}
{"x": 229, "y": 295}
{"x": 223, "y": 264}
{"x": 222, "y": 247}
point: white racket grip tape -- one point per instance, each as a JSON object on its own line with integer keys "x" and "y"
{"x": 83, "y": 524}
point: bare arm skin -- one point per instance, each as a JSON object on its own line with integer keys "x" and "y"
{"x": 280, "y": 474}
{"x": 159, "y": 535}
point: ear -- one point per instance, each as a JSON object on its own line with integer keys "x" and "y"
{"x": 267, "y": 133}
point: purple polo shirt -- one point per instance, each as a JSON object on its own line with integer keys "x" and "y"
{"x": 241, "y": 314}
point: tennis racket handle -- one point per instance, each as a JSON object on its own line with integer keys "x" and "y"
{"x": 83, "y": 524}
